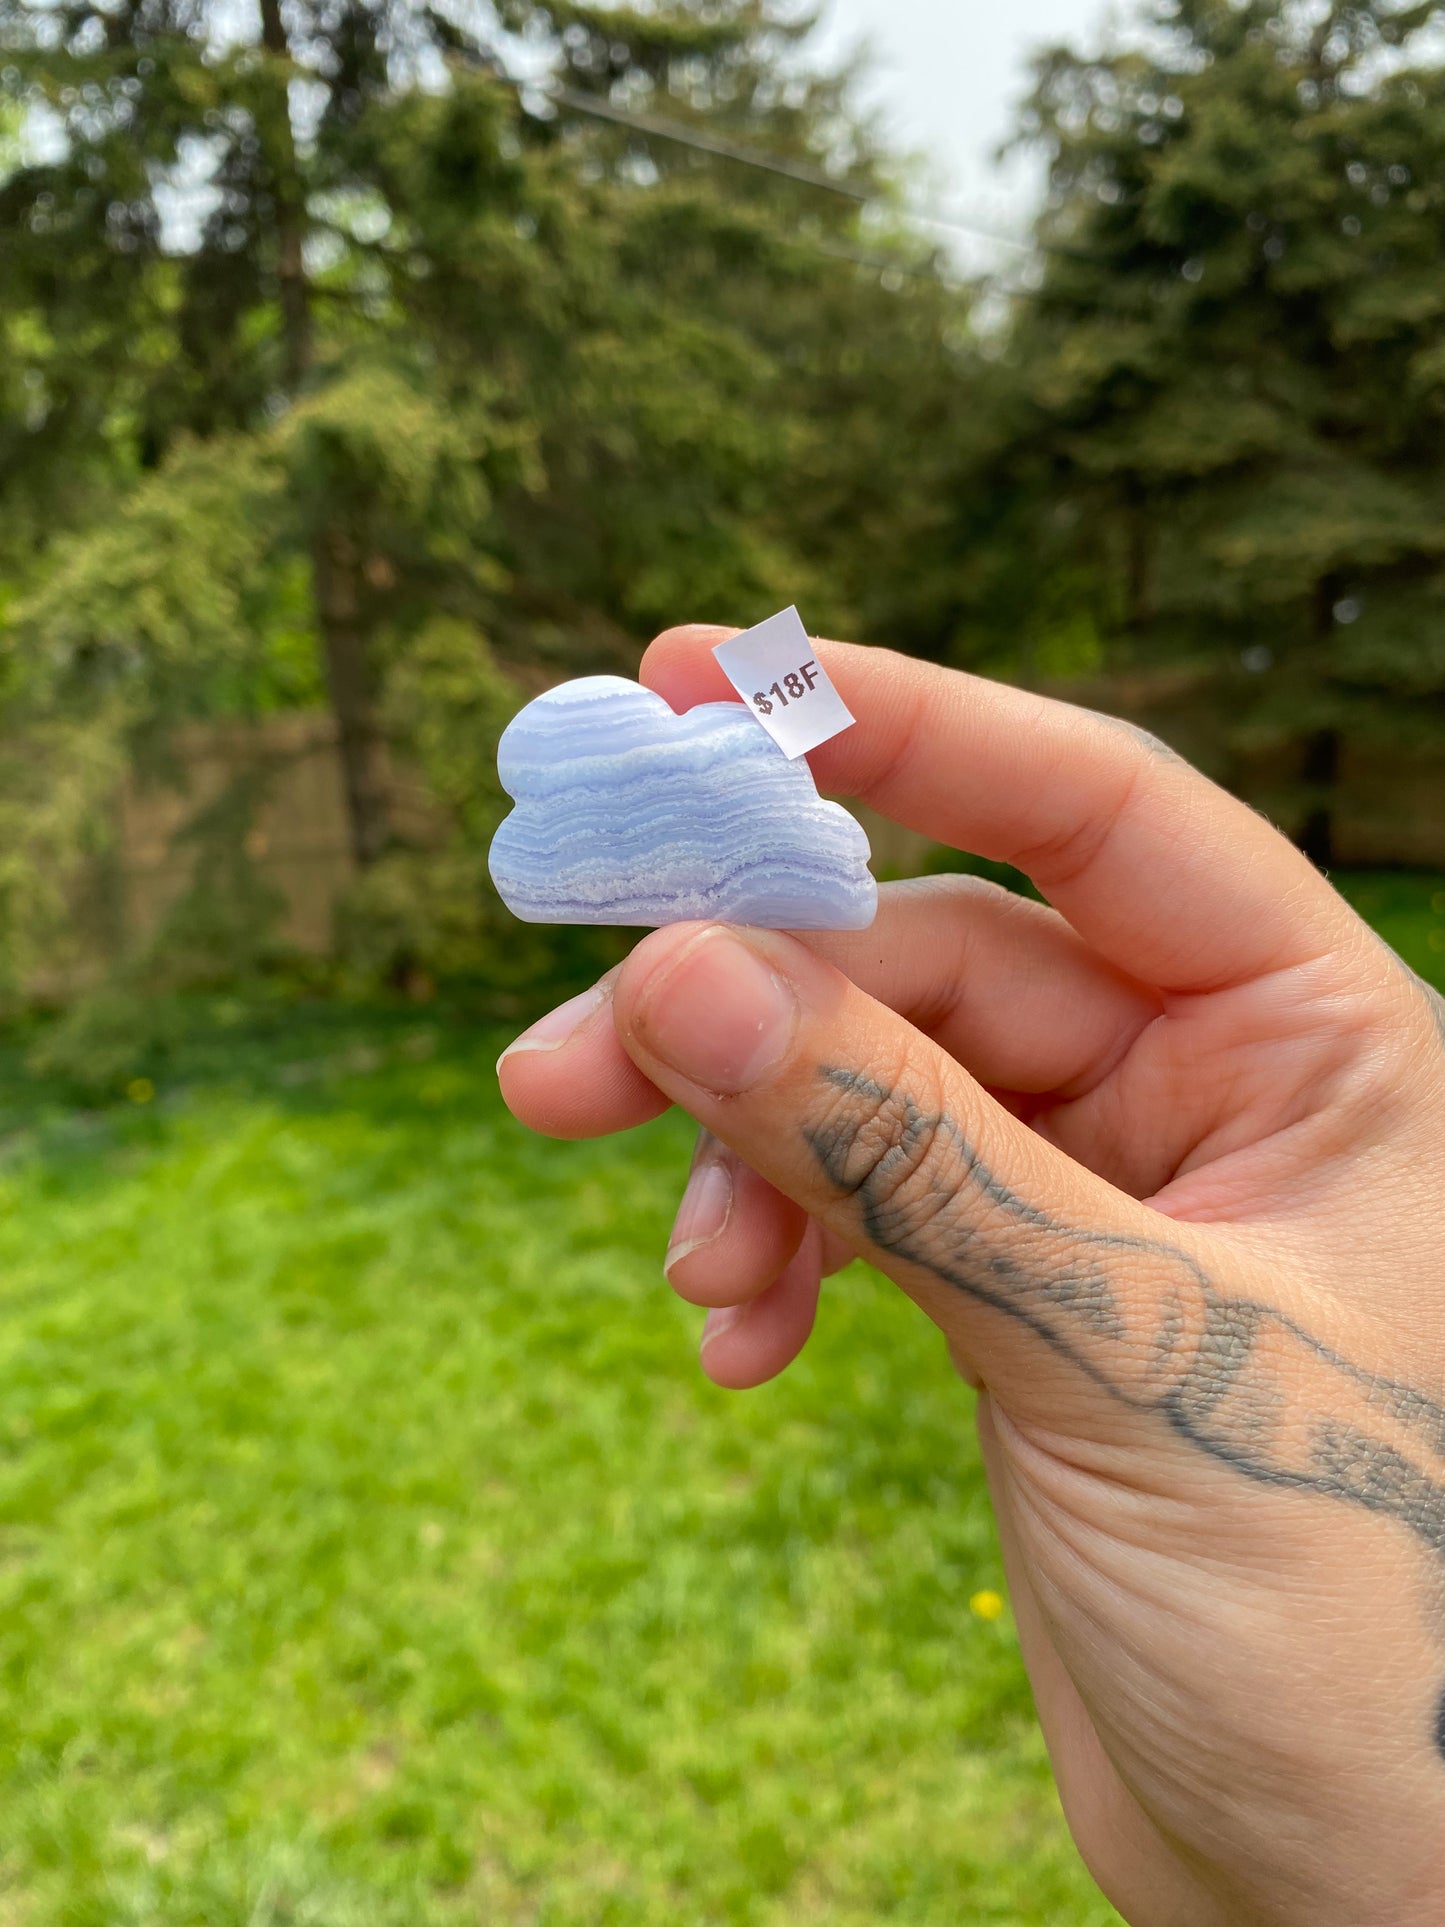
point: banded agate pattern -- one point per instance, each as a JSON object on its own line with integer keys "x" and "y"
{"x": 628, "y": 814}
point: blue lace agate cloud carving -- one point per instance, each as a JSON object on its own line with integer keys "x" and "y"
{"x": 626, "y": 813}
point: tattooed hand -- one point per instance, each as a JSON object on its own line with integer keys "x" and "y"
{"x": 1165, "y": 1162}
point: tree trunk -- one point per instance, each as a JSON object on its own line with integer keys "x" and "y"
{"x": 1138, "y": 575}
{"x": 1321, "y": 766}
{"x": 348, "y": 676}
{"x": 335, "y": 574}
{"x": 290, "y": 213}
{"x": 1321, "y": 772}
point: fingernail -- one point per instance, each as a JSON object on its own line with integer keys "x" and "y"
{"x": 717, "y": 1322}
{"x": 552, "y": 1031}
{"x": 718, "y": 1013}
{"x": 703, "y": 1214}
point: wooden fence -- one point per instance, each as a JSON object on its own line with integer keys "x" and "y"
{"x": 1391, "y": 810}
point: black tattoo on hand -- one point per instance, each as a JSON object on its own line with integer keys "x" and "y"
{"x": 1235, "y": 1378}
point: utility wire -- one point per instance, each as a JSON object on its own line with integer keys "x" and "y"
{"x": 669, "y": 130}
{"x": 684, "y": 135}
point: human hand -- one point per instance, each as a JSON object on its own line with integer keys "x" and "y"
{"x": 1164, "y": 1161}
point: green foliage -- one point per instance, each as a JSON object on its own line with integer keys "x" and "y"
{"x": 1226, "y": 384}
{"x": 337, "y": 370}
{"x": 154, "y": 608}
{"x": 127, "y": 635}
{"x": 430, "y": 905}
{"x": 222, "y": 922}
{"x": 221, "y": 925}
{"x": 402, "y": 465}
{"x": 56, "y": 785}
{"x": 446, "y": 698}
{"x": 107, "y": 1039}
{"x": 323, "y": 345}
{"x": 292, "y": 1350}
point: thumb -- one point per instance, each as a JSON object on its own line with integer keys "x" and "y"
{"x": 1071, "y": 1300}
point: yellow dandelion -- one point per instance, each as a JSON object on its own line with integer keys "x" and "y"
{"x": 986, "y": 1605}
{"x": 140, "y": 1090}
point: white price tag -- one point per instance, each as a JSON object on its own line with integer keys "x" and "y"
{"x": 774, "y": 670}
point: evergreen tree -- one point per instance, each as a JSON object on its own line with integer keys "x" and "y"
{"x": 330, "y": 326}
{"x": 1230, "y": 383}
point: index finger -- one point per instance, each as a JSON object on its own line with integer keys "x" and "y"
{"x": 1155, "y": 866}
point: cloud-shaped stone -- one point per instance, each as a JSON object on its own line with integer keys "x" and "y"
{"x": 626, "y": 813}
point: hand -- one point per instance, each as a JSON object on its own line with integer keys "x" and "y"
{"x": 1165, "y": 1163}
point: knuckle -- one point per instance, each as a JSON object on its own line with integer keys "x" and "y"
{"x": 1128, "y": 760}
{"x": 890, "y": 1144}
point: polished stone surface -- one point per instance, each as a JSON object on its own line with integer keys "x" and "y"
{"x": 628, "y": 814}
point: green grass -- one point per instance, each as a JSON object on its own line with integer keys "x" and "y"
{"x": 1407, "y": 908}
{"x": 371, "y": 1550}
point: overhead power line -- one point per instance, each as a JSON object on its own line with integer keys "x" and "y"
{"x": 685, "y": 135}
{"x": 670, "y": 130}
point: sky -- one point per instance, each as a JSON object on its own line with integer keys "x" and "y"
{"x": 949, "y": 75}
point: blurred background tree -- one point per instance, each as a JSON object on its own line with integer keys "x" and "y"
{"x": 1231, "y": 379}
{"x": 343, "y": 368}
{"x": 393, "y": 360}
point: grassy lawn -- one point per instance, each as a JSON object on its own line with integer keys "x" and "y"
{"x": 371, "y": 1550}
{"x": 1408, "y": 910}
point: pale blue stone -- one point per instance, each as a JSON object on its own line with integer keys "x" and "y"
{"x": 626, "y": 813}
